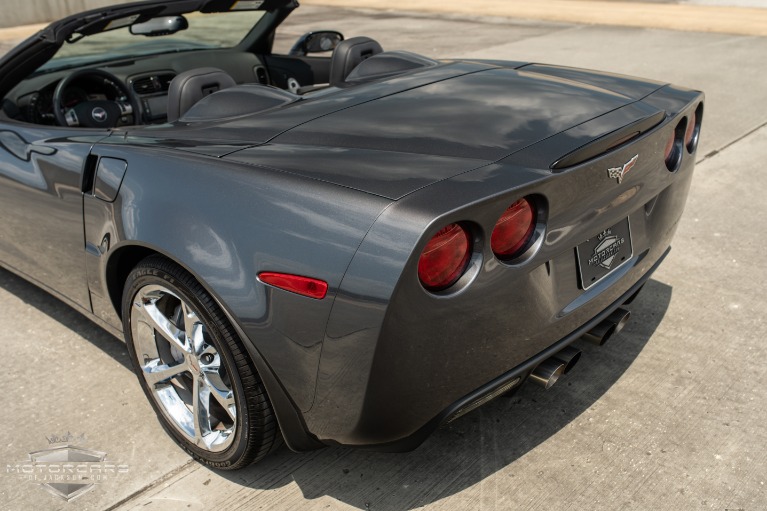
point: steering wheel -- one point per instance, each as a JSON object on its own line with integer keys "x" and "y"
{"x": 95, "y": 113}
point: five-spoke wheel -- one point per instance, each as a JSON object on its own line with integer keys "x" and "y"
{"x": 194, "y": 369}
{"x": 183, "y": 368}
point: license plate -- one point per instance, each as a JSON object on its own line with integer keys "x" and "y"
{"x": 604, "y": 253}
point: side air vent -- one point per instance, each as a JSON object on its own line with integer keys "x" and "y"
{"x": 143, "y": 85}
{"x": 152, "y": 84}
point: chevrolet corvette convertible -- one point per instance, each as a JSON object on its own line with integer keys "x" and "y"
{"x": 336, "y": 245}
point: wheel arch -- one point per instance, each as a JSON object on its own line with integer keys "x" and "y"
{"x": 126, "y": 257}
{"x": 119, "y": 265}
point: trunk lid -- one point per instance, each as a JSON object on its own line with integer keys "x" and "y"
{"x": 485, "y": 115}
{"x": 404, "y": 141}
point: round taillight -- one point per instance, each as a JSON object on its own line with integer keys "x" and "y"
{"x": 514, "y": 229}
{"x": 690, "y": 133}
{"x": 668, "y": 153}
{"x": 672, "y": 154}
{"x": 445, "y": 258}
{"x": 693, "y": 129}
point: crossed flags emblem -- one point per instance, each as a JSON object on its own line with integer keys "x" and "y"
{"x": 619, "y": 172}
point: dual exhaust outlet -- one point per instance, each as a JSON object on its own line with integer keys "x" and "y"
{"x": 548, "y": 372}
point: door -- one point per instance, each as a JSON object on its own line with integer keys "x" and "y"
{"x": 41, "y": 205}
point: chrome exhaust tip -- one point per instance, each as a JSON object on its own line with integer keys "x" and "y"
{"x": 600, "y": 334}
{"x": 619, "y": 317}
{"x": 613, "y": 324}
{"x": 547, "y": 372}
{"x": 568, "y": 356}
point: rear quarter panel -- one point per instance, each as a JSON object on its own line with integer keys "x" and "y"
{"x": 225, "y": 223}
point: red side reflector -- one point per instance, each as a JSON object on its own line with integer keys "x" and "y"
{"x": 313, "y": 288}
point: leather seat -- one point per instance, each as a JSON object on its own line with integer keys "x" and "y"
{"x": 348, "y": 54}
{"x": 191, "y": 86}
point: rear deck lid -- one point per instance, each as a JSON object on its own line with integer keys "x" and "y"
{"x": 405, "y": 141}
{"x": 486, "y": 115}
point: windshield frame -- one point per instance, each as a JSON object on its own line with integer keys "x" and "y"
{"x": 207, "y": 31}
{"x": 22, "y": 61}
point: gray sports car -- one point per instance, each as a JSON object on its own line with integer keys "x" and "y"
{"x": 336, "y": 246}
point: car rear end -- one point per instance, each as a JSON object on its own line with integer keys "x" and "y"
{"x": 462, "y": 289}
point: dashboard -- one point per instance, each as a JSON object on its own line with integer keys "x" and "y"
{"x": 37, "y": 107}
{"x": 146, "y": 80}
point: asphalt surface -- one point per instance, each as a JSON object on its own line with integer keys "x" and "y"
{"x": 668, "y": 415}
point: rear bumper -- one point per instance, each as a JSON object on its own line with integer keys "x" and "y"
{"x": 510, "y": 379}
{"x": 423, "y": 358}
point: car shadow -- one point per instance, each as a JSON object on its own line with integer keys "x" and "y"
{"x": 467, "y": 451}
{"x": 66, "y": 316}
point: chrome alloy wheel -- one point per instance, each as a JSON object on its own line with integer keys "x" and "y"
{"x": 183, "y": 368}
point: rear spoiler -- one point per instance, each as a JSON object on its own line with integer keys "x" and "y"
{"x": 610, "y": 141}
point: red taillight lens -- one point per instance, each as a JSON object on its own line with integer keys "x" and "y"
{"x": 692, "y": 133}
{"x": 690, "y": 130}
{"x": 668, "y": 153}
{"x": 514, "y": 229}
{"x": 672, "y": 154}
{"x": 445, "y": 258}
{"x": 313, "y": 288}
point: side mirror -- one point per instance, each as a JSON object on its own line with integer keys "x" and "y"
{"x": 316, "y": 42}
{"x": 165, "y": 25}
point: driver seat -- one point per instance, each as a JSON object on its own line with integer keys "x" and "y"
{"x": 191, "y": 86}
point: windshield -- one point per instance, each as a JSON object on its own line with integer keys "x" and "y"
{"x": 215, "y": 30}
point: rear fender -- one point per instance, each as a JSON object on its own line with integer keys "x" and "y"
{"x": 225, "y": 223}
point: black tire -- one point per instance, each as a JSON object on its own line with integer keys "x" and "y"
{"x": 156, "y": 284}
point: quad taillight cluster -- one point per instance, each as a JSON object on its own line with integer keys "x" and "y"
{"x": 684, "y": 136}
{"x": 446, "y": 256}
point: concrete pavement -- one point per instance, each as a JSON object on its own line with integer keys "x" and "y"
{"x": 668, "y": 415}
